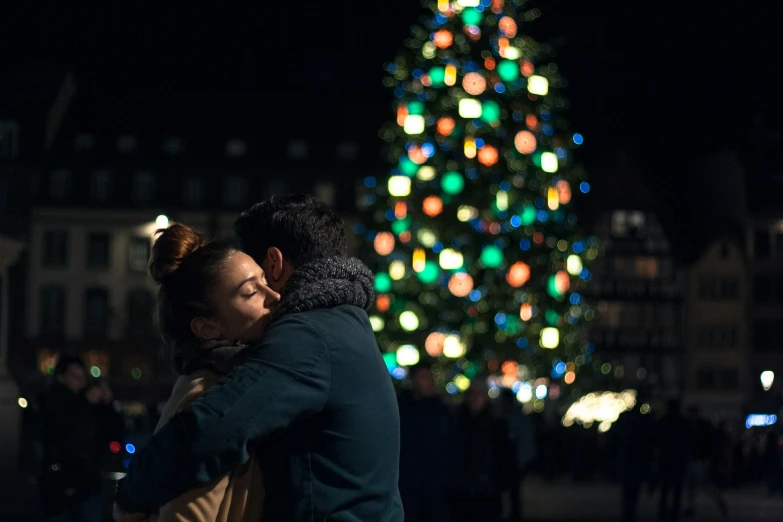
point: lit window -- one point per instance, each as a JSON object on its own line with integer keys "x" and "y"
{"x": 619, "y": 223}
{"x": 84, "y": 142}
{"x": 298, "y": 150}
{"x": 127, "y": 143}
{"x": 646, "y": 267}
{"x": 47, "y": 360}
{"x": 138, "y": 254}
{"x": 236, "y": 148}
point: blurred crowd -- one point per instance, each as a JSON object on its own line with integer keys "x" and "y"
{"x": 463, "y": 462}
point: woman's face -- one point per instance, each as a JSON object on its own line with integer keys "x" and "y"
{"x": 242, "y": 300}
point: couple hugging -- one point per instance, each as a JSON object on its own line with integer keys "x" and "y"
{"x": 284, "y": 409}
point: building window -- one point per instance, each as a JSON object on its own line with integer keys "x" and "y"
{"x": 98, "y": 245}
{"x": 235, "y": 191}
{"x": 84, "y": 142}
{"x": 127, "y": 144}
{"x": 298, "y": 150}
{"x": 55, "y": 249}
{"x": 96, "y": 313}
{"x": 646, "y": 267}
{"x": 143, "y": 187}
{"x": 138, "y": 254}
{"x": 762, "y": 289}
{"x": 9, "y": 140}
{"x": 718, "y": 288}
{"x": 140, "y": 307}
{"x": 719, "y": 336}
{"x": 193, "y": 192}
{"x": 59, "y": 184}
{"x": 236, "y": 148}
{"x": 52, "y": 308}
{"x": 100, "y": 186}
{"x": 761, "y": 246}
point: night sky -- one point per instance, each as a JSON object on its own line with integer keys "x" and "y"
{"x": 668, "y": 83}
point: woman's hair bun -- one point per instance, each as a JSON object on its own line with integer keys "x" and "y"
{"x": 172, "y": 245}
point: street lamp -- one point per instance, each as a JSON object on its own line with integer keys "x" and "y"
{"x": 162, "y": 221}
{"x": 767, "y": 378}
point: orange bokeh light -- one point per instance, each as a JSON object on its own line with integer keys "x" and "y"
{"x": 460, "y": 284}
{"x": 570, "y": 377}
{"x": 518, "y": 274}
{"x": 442, "y": 39}
{"x": 508, "y": 26}
{"x": 384, "y": 243}
{"x": 526, "y": 312}
{"x": 562, "y": 282}
{"x": 525, "y": 142}
{"x": 526, "y": 68}
{"x": 382, "y": 302}
{"x": 434, "y": 344}
{"x": 405, "y": 236}
{"x": 538, "y": 238}
{"x": 563, "y": 191}
{"x": 497, "y": 6}
{"x": 400, "y": 210}
{"x": 432, "y": 206}
{"x": 489, "y": 64}
{"x": 494, "y": 228}
{"x": 510, "y": 367}
{"x": 488, "y": 155}
{"x": 417, "y": 155}
{"x": 446, "y": 125}
{"x": 402, "y": 112}
{"x": 474, "y": 83}
{"x": 531, "y": 121}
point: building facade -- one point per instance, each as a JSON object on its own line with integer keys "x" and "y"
{"x": 716, "y": 332}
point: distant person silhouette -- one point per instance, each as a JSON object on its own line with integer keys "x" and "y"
{"x": 632, "y": 436}
{"x": 674, "y": 446}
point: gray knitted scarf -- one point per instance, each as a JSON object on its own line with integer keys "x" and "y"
{"x": 326, "y": 283}
{"x": 218, "y": 356}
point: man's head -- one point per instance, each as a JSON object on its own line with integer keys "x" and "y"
{"x": 422, "y": 380}
{"x": 284, "y": 232}
{"x": 71, "y": 372}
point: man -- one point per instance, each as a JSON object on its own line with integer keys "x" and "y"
{"x": 428, "y": 449}
{"x": 520, "y": 442}
{"x": 77, "y": 426}
{"x": 313, "y": 398}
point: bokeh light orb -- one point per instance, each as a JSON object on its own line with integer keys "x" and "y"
{"x": 507, "y": 26}
{"x": 445, "y": 126}
{"x": 525, "y": 142}
{"x": 433, "y": 345}
{"x": 518, "y": 274}
{"x": 460, "y": 284}
{"x": 488, "y": 155}
{"x": 432, "y": 206}
{"x": 442, "y": 39}
{"x": 474, "y": 83}
{"x": 384, "y": 243}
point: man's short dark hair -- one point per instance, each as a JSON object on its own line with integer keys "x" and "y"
{"x": 303, "y": 227}
{"x": 64, "y": 360}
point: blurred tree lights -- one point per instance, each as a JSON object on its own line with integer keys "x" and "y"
{"x": 479, "y": 263}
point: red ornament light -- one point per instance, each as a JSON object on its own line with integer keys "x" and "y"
{"x": 525, "y": 142}
{"x": 518, "y": 274}
{"x": 432, "y": 206}
{"x": 488, "y": 155}
{"x": 443, "y": 39}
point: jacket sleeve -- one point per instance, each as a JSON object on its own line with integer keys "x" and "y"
{"x": 287, "y": 377}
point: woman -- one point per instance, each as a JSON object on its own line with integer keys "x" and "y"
{"x": 212, "y": 302}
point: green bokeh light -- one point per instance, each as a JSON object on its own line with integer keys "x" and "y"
{"x": 452, "y": 183}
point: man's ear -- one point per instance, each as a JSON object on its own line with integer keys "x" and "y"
{"x": 275, "y": 259}
{"x": 205, "y": 329}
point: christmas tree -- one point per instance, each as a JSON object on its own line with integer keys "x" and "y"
{"x": 477, "y": 256}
